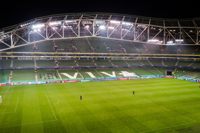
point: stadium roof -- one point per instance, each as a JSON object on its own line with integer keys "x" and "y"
{"x": 190, "y": 22}
{"x": 19, "y": 11}
{"x": 108, "y": 25}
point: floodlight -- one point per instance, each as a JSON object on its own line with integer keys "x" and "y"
{"x": 70, "y": 21}
{"x": 24, "y": 25}
{"x": 102, "y": 27}
{"x": 4, "y": 36}
{"x": 141, "y": 25}
{"x": 154, "y": 41}
{"x": 115, "y": 22}
{"x": 179, "y": 40}
{"x": 55, "y": 23}
{"x": 127, "y": 23}
{"x": 87, "y": 27}
{"x": 38, "y": 26}
{"x": 100, "y": 22}
{"x": 170, "y": 42}
{"x": 63, "y": 26}
{"x": 36, "y": 30}
{"x": 67, "y": 27}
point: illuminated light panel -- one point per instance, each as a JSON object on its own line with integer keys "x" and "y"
{"x": 179, "y": 40}
{"x": 102, "y": 27}
{"x": 154, "y": 41}
{"x": 70, "y": 21}
{"x": 170, "y": 42}
{"x": 87, "y": 27}
{"x": 38, "y": 26}
{"x": 36, "y": 30}
{"x": 55, "y": 23}
{"x": 127, "y": 23}
{"x": 115, "y": 22}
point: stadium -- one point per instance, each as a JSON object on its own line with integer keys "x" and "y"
{"x": 149, "y": 70}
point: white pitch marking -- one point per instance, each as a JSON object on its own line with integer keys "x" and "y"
{"x": 52, "y": 110}
{"x": 16, "y": 104}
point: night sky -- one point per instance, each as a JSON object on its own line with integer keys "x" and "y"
{"x": 15, "y": 12}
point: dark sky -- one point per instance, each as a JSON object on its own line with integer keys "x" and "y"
{"x": 15, "y": 12}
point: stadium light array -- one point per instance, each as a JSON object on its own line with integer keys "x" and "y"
{"x": 36, "y": 30}
{"x": 115, "y": 22}
{"x": 63, "y": 26}
{"x": 37, "y": 26}
{"x": 102, "y": 27}
{"x": 55, "y": 23}
{"x": 24, "y": 25}
{"x": 154, "y": 41}
{"x": 100, "y": 22}
{"x": 127, "y": 23}
{"x": 172, "y": 30}
{"x": 70, "y": 21}
{"x": 86, "y": 22}
{"x": 87, "y": 27}
{"x": 179, "y": 40}
{"x": 67, "y": 27}
{"x": 3, "y": 36}
{"x": 170, "y": 43}
{"x": 141, "y": 25}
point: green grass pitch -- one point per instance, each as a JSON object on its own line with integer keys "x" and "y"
{"x": 158, "y": 106}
